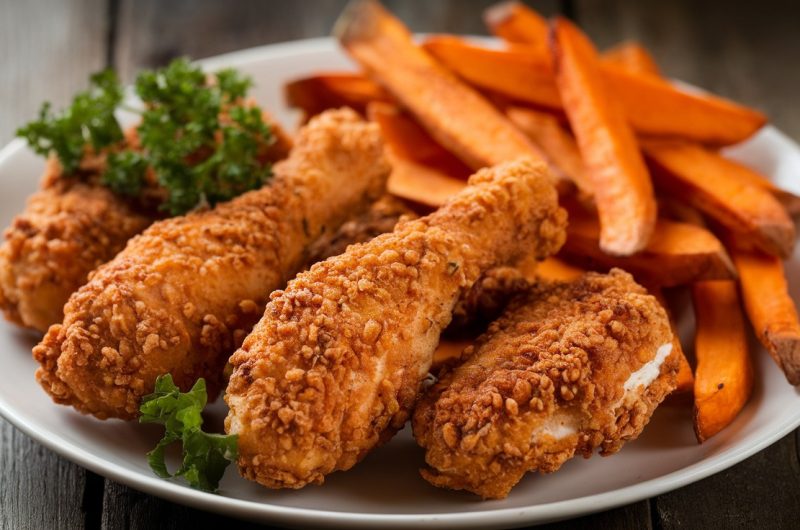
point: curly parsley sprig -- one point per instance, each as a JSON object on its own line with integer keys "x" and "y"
{"x": 205, "y": 455}
{"x": 89, "y": 120}
{"x": 196, "y": 133}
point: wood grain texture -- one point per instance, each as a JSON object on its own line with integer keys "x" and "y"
{"x": 761, "y": 492}
{"x": 38, "y": 487}
{"x": 47, "y": 50}
{"x": 127, "y": 509}
{"x": 634, "y": 516}
{"x": 151, "y": 32}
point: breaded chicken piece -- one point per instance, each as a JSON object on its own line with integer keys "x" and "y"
{"x": 72, "y": 225}
{"x": 182, "y": 295}
{"x": 69, "y": 228}
{"x": 568, "y": 368}
{"x": 381, "y": 217}
{"x": 335, "y": 365}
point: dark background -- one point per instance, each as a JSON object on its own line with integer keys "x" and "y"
{"x": 747, "y": 51}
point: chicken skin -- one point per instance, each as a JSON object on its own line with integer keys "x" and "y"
{"x": 182, "y": 295}
{"x": 568, "y": 368}
{"x": 335, "y": 365}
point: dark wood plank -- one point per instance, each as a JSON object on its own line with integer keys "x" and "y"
{"x": 47, "y": 50}
{"x": 634, "y": 516}
{"x": 761, "y": 492}
{"x": 150, "y": 32}
{"x": 127, "y": 509}
{"x": 739, "y": 52}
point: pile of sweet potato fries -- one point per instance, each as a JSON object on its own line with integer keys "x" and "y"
{"x": 636, "y": 157}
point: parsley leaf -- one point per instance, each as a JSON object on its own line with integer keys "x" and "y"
{"x": 205, "y": 455}
{"x": 199, "y": 137}
{"x": 196, "y": 133}
{"x": 89, "y": 120}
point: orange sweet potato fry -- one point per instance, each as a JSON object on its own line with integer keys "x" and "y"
{"x": 422, "y": 170}
{"x": 421, "y": 184}
{"x": 619, "y": 178}
{"x": 325, "y": 91}
{"x": 557, "y": 269}
{"x": 632, "y": 56}
{"x": 724, "y": 374}
{"x": 515, "y": 73}
{"x": 677, "y": 253}
{"x": 715, "y": 186}
{"x": 771, "y": 310}
{"x": 457, "y": 116}
{"x": 448, "y": 352}
{"x": 653, "y": 106}
{"x": 409, "y": 140}
{"x": 516, "y": 23}
{"x": 556, "y": 143}
{"x": 741, "y": 173}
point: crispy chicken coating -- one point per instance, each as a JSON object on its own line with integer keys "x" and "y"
{"x": 72, "y": 225}
{"x": 69, "y": 228}
{"x": 381, "y": 217}
{"x": 182, "y": 295}
{"x": 569, "y": 368}
{"x": 334, "y": 366}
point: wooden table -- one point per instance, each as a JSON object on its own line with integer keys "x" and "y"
{"x": 743, "y": 51}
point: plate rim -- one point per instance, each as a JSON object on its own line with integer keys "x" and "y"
{"x": 264, "y": 511}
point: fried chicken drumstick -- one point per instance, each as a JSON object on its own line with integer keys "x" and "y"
{"x": 335, "y": 365}
{"x": 72, "y": 225}
{"x": 182, "y": 295}
{"x": 568, "y": 368}
{"x": 68, "y": 228}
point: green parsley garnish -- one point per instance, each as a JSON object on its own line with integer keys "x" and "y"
{"x": 196, "y": 132}
{"x": 89, "y": 120}
{"x": 205, "y": 455}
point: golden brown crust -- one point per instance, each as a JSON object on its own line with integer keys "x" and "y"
{"x": 68, "y": 228}
{"x": 334, "y": 366}
{"x": 183, "y": 294}
{"x": 559, "y": 356}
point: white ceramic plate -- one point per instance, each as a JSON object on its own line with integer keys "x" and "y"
{"x": 386, "y": 489}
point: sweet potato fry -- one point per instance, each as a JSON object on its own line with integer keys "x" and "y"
{"x": 325, "y": 91}
{"x": 677, "y": 253}
{"x": 619, "y": 178}
{"x": 554, "y": 268}
{"x": 556, "y": 143}
{"x": 457, "y": 116}
{"x": 771, "y": 310}
{"x": 419, "y": 183}
{"x": 632, "y": 56}
{"x": 741, "y": 173}
{"x": 724, "y": 374}
{"x": 685, "y": 376}
{"x": 716, "y": 187}
{"x": 515, "y": 73}
{"x": 410, "y": 141}
{"x": 514, "y": 22}
{"x": 654, "y": 107}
